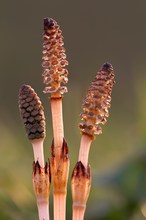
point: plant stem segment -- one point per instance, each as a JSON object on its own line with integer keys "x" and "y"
{"x": 43, "y": 211}
{"x": 41, "y": 184}
{"x": 57, "y": 121}
{"x": 78, "y": 213}
{"x": 84, "y": 149}
{"x": 59, "y": 174}
{"x": 38, "y": 150}
{"x": 81, "y": 179}
{"x": 59, "y": 206}
{"x": 80, "y": 185}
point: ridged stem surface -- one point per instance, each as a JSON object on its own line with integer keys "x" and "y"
{"x": 80, "y": 186}
{"x": 38, "y": 151}
{"x": 59, "y": 175}
{"x": 78, "y": 213}
{"x": 57, "y": 121}
{"x": 41, "y": 185}
{"x": 43, "y": 211}
{"x": 59, "y": 206}
{"x": 84, "y": 149}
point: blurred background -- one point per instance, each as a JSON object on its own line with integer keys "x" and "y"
{"x": 94, "y": 32}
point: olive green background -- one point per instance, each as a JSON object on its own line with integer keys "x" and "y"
{"x": 94, "y": 32}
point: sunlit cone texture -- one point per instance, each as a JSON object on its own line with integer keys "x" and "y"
{"x": 54, "y": 58}
{"x": 32, "y": 113}
{"x": 97, "y": 101}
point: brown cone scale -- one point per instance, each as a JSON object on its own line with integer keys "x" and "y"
{"x": 54, "y": 58}
{"x": 32, "y": 113}
{"x": 97, "y": 101}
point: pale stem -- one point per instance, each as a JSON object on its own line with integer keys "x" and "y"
{"x": 38, "y": 150}
{"x": 59, "y": 206}
{"x": 57, "y": 120}
{"x": 43, "y": 211}
{"x": 84, "y": 149}
{"x": 78, "y": 213}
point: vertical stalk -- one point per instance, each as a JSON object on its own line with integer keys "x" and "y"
{"x": 78, "y": 213}
{"x": 81, "y": 180}
{"x": 80, "y": 185}
{"x": 41, "y": 184}
{"x": 59, "y": 164}
{"x": 43, "y": 210}
{"x": 59, "y": 173}
{"x": 38, "y": 150}
{"x": 59, "y": 206}
{"x": 57, "y": 121}
{"x": 54, "y": 75}
{"x": 84, "y": 149}
{"x": 95, "y": 111}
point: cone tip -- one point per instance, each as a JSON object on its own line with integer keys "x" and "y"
{"x": 107, "y": 66}
{"x": 48, "y": 22}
